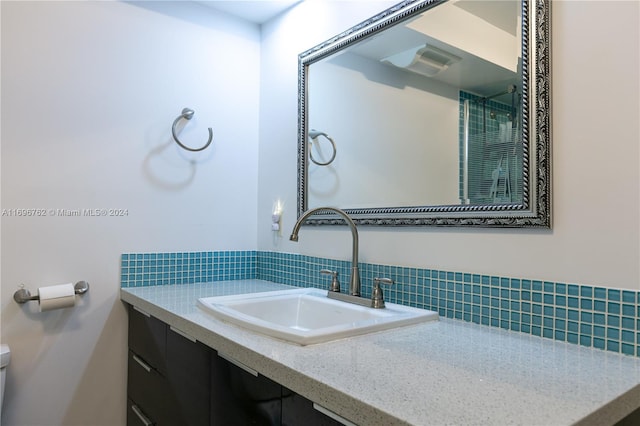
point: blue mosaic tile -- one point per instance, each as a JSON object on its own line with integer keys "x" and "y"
{"x": 599, "y": 319}
{"x": 586, "y": 291}
{"x": 573, "y": 315}
{"x": 628, "y": 323}
{"x": 573, "y": 326}
{"x": 573, "y": 290}
{"x": 628, "y": 349}
{"x": 627, "y": 336}
{"x": 599, "y": 306}
{"x": 600, "y": 293}
{"x": 628, "y": 296}
{"x": 548, "y": 287}
{"x": 613, "y": 321}
{"x": 572, "y": 338}
{"x": 628, "y": 310}
{"x": 573, "y": 302}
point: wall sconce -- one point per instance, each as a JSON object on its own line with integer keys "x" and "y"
{"x": 276, "y": 216}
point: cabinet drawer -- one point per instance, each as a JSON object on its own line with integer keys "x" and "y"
{"x": 136, "y": 416}
{"x": 148, "y": 338}
{"x": 148, "y": 390}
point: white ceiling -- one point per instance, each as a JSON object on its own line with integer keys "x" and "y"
{"x": 257, "y": 11}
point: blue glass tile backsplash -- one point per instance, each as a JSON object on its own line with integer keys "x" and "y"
{"x": 600, "y": 317}
{"x": 147, "y": 269}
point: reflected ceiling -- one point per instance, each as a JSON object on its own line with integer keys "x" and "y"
{"x": 254, "y": 11}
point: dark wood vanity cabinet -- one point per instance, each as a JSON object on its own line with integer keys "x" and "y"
{"x": 173, "y": 380}
{"x": 169, "y": 380}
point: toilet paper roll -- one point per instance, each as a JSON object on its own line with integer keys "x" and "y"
{"x": 56, "y": 297}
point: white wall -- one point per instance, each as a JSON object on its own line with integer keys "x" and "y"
{"x": 595, "y": 98}
{"x": 351, "y": 109}
{"x": 89, "y": 92}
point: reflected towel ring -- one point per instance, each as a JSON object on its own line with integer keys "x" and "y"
{"x": 187, "y": 114}
{"x": 313, "y": 134}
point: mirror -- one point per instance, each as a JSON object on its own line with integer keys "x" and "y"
{"x": 431, "y": 113}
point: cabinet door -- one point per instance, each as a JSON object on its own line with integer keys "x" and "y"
{"x": 240, "y": 398}
{"x": 189, "y": 377}
{"x": 297, "y": 410}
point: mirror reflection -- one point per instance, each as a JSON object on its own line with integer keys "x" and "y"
{"x": 421, "y": 113}
{"x": 424, "y": 113}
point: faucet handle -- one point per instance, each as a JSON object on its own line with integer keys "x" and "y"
{"x": 377, "y": 298}
{"x": 335, "y": 284}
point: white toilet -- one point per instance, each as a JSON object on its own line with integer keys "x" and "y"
{"x": 5, "y": 356}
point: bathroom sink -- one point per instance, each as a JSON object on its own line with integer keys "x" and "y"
{"x": 306, "y": 316}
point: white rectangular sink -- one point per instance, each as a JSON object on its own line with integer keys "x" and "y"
{"x": 306, "y": 316}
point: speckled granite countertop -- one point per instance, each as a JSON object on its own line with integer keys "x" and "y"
{"x": 448, "y": 372}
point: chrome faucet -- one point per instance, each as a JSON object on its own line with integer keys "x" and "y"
{"x": 354, "y": 282}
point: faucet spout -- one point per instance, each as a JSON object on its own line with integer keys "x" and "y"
{"x": 354, "y": 282}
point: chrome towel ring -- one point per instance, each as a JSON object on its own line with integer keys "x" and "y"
{"x": 313, "y": 134}
{"x": 187, "y": 114}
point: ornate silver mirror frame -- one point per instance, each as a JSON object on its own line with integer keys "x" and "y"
{"x": 534, "y": 210}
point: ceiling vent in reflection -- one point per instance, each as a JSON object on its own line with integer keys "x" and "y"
{"x": 426, "y": 60}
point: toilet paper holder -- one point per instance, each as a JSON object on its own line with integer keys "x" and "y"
{"x": 23, "y": 295}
